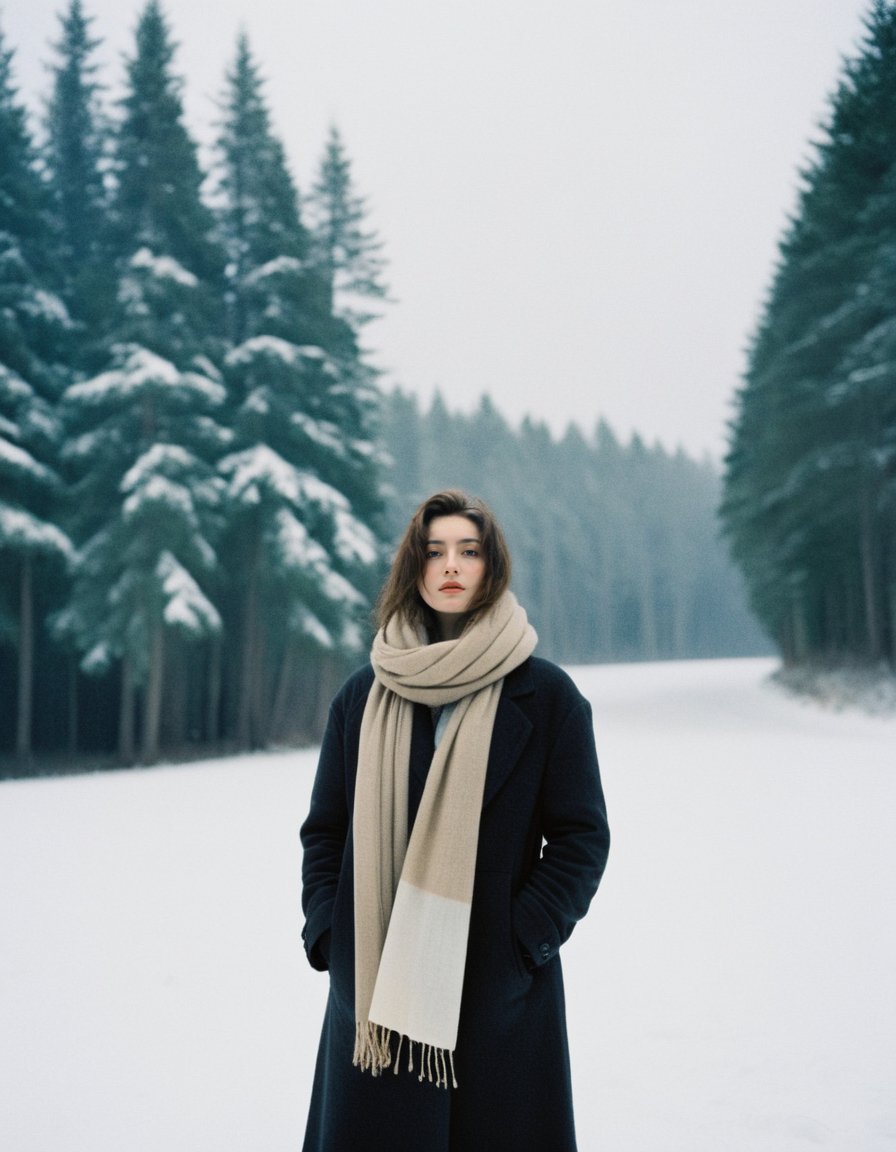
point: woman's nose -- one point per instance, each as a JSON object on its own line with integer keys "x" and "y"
{"x": 450, "y": 562}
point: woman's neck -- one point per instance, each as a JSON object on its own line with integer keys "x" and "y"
{"x": 449, "y": 625}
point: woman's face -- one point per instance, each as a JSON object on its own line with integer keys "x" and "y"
{"x": 453, "y": 570}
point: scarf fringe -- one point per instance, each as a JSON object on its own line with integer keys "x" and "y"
{"x": 373, "y": 1054}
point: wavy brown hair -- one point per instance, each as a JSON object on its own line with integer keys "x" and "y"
{"x": 400, "y": 595}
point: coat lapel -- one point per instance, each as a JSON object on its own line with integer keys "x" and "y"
{"x": 422, "y": 748}
{"x": 511, "y": 731}
{"x": 509, "y": 736}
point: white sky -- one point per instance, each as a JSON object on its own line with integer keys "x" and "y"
{"x": 580, "y": 199}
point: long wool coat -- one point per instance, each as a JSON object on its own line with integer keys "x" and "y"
{"x": 543, "y": 843}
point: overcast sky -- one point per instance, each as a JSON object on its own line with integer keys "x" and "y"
{"x": 580, "y": 199}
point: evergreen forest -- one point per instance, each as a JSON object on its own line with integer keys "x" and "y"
{"x": 809, "y": 498}
{"x": 200, "y": 476}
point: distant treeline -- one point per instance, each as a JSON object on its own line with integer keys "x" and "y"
{"x": 810, "y": 486}
{"x": 616, "y": 548}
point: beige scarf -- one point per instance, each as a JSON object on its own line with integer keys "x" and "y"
{"x": 412, "y": 899}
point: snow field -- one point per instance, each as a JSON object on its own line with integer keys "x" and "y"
{"x": 732, "y": 987}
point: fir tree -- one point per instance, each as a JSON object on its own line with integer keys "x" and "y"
{"x": 348, "y": 255}
{"x": 810, "y": 474}
{"x": 259, "y": 206}
{"x": 75, "y": 160}
{"x": 147, "y": 501}
{"x": 34, "y": 326}
{"x": 301, "y": 486}
{"x": 158, "y": 200}
{"x": 143, "y": 433}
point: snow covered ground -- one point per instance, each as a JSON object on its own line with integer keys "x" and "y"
{"x": 733, "y": 988}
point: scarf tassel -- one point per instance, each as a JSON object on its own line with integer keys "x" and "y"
{"x": 373, "y": 1054}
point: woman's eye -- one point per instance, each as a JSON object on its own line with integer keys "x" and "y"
{"x": 431, "y": 554}
{"x": 471, "y": 552}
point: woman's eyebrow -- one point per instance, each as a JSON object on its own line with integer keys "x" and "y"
{"x": 464, "y": 540}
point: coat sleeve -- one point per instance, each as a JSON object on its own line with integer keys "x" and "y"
{"x": 323, "y": 836}
{"x": 559, "y": 889}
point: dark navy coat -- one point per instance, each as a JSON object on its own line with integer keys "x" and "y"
{"x": 543, "y": 843}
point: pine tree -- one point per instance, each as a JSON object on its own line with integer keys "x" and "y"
{"x": 259, "y": 205}
{"x": 158, "y": 201}
{"x": 808, "y": 499}
{"x": 347, "y": 254}
{"x": 34, "y": 326}
{"x": 75, "y": 158}
{"x": 301, "y": 482}
{"x": 143, "y": 433}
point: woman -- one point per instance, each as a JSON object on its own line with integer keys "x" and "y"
{"x": 457, "y": 832}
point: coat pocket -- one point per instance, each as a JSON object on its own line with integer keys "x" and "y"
{"x": 342, "y": 946}
{"x": 494, "y": 955}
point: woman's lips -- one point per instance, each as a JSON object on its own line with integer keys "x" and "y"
{"x": 451, "y": 587}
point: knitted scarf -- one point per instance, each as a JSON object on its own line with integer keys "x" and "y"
{"x": 412, "y": 899}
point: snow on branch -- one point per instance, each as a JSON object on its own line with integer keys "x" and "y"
{"x": 26, "y": 533}
{"x": 277, "y": 267}
{"x": 340, "y": 590}
{"x": 98, "y": 658}
{"x": 352, "y": 639}
{"x": 12, "y": 386}
{"x": 158, "y": 490}
{"x": 258, "y": 402}
{"x": 275, "y": 347}
{"x": 160, "y": 457}
{"x": 306, "y": 623}
{"x": 187, "y": 607}
{"x": 260, "y": 467}
{"x": 17, "y": 460}
{"x": 354, "y": 540}
{"x": 322, "y": 432}
{"x": 163, "y": 267}
{"x": 319, "y": 492}
{"x": 47, "y": 306}
{"x": 255, "y": 346}
{"x": 139, "y": 370}
{"x": 298, "y": 549}
{"x": 300, "y": 552}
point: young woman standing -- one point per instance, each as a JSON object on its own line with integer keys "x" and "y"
{"x": 457, "y": 832}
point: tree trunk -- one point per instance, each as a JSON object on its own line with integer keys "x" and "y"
{"x": 176, "y": 707}
{"x": 152, "y": 710}
{"x": 126, "y": 713}
{"x": 72, "y": 706}
{"x": 799, "y": 631}
{"x": 213, "y": 697}
{"x": 603, "y": 606}
{"x": 869, "y": 578}
{"x": 248, "y": 659}
{"x": 891, "y": 598}
{"x": 648, "y": 612}
{"x": 283, "y": 696}
{"x": 26, "y": 660}
{"x": 260, "y": 695}
{"x": 679, "y": 597}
